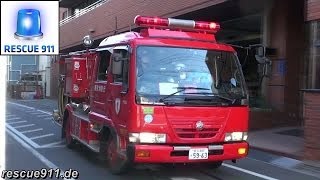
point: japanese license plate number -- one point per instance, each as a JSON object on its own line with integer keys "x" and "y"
{"x": 199, "y": 153}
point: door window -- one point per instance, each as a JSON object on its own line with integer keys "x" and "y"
{"x": 103, "y": 65}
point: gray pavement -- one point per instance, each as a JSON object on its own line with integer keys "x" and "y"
{"x": 30, "y": 123}
{"x": 14, "y": 160}
{"x": 43, "y": 104}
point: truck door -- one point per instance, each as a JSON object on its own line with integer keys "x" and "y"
{"x": 118, "y": 98}
{"x": 99, "y": 88}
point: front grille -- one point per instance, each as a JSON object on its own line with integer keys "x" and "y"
{"x": 185, "y": 128}
{"x": 193, "y": 133}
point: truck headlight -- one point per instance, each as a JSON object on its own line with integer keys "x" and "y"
{"x": 236, "y": 136}
{"x": 145, "y": 137}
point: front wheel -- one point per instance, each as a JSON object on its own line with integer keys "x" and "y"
{"x": 215, "y": 165}
{"x": 69, "y": 139}
{"x": 117, "y": 164}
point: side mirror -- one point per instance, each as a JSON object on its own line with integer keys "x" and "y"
{"x": 260, "y": 51}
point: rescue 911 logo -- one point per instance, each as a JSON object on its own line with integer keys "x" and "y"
{"x": 29, "y": 27}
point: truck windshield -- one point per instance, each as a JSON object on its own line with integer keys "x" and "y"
{"x": 178, "y": 74}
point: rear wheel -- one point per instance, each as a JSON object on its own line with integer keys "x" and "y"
{"x": 116, "y": 163}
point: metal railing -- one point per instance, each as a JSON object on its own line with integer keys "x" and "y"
{"x": 82, "y": 11}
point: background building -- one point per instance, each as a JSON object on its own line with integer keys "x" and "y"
{"x": 19, "y": 65}
{"x": 312, "y": 81}
{"x": 22, "y": 68}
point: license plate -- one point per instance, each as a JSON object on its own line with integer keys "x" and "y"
{"x": 199, "y": 153}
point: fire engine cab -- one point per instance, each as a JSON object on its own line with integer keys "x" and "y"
{"x": 168, "y": 94}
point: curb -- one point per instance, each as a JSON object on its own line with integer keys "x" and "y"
{"x": 278, "y": 153}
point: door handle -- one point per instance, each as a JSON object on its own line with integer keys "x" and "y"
{"x": 110, "y": 100}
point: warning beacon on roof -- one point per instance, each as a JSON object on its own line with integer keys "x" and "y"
{"x": 29, "y": 27}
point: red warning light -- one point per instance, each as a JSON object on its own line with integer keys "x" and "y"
{"x": 145, "y": 21}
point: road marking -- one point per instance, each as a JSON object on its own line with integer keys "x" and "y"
{"x": 22, "y": 136}
{"x": 15, "y": 118}
{"x": 51, "y": 147}
{"x": 51, "y": 144}
{"x": 33, "y": 130}
{"x": 249, "y": 172}
{"x": 38, "y": 155}
{"x": 20, "y": 105}
{"x": 27, "y": 100}
{"x": 45, "y": 112}
{"x": 41, "y": 136}
{"x": 43, "y": 115}
{"x": 10, "y": 115}
{"x": 48, "y": 118}
{"x": 16, "y": 122}
{"x": 36, "y": 113}
{"x": 55, "y": 122}
{"x": 28, "y": 125}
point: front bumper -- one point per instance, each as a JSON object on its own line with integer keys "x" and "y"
{"x": 167, "y": 154}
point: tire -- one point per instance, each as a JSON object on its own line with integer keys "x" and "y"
{"x": 215, "y": 165}
{"x": 116, "y": 164}
{"x": 103, "y": 150}
{"x": 69, "y": 139}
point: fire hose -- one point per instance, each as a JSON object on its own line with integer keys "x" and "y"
{"x": 62, "y": 99}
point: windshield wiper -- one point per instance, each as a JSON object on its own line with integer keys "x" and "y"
{"x": 214, "y": 95}
{"x": 180, "y": 90}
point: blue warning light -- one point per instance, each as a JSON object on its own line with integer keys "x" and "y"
{"x": 28, "y": 25}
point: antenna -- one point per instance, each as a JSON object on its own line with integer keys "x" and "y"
{"x": 129, "y": 27}
{"x": 116, "y": 30}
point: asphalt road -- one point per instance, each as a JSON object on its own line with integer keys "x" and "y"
{"x": 33, "y": 142}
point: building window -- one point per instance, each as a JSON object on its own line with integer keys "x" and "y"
{"x": 77, "y": 9}
{"x": 313, "y": 55}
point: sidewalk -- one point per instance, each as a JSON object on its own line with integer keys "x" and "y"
{"x": 287, "y": 141}
{"x": 288, "y": 144}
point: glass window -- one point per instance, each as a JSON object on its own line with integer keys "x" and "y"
{"x": 103, "y": 65}
{"x": 313, "y": 55}
{"x": 124, "y": 56}
{"x": 162, "y": 71}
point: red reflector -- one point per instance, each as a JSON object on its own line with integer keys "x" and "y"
{"x": 151, "y": 21}
{"x": 207, "y": 26}
{"x": 142, "y": 153}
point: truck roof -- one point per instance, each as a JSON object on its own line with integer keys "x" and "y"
{"x": 165, "y": 37}
{"x": 169, "y": 32}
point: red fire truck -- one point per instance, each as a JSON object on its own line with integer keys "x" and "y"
{"x": 168, "y": 94}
